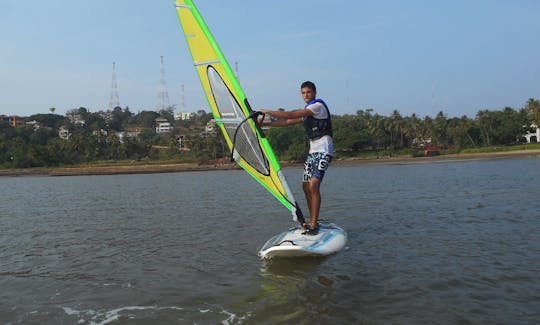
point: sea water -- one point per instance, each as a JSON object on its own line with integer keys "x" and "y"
{"x": 439, "y": 242}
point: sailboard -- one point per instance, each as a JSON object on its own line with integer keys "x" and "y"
{"x": 232, "y": 113}
{"x": 246, "y": 140}
{"x": 293, "y": 243}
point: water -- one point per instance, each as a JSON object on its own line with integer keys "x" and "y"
{"x": 453, "y": 242}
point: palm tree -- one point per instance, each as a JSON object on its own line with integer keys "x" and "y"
{"x": 440, "y": 127}
{"x": 412, "y": 128}
{"x": 533, "y": 106}
{"x": 485, "y": 122}
{"x": 395, "y": 126}
{"x": 428, "y": 130}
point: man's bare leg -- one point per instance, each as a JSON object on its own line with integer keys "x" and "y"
{"x": 313, "y": 198}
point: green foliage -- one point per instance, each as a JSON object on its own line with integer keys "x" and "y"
{"x": 145, "y": 119}
{"x": 49, "y": 120}
{"x": 362, "y": 134}
{"x": 533, "y": 109}
{"x": 289, "y": 143}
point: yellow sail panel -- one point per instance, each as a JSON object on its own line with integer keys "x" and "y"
{"x": 230, "y": 108}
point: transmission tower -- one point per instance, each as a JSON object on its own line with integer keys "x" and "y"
{"x": 114, "y": 101}
{"x": 163, "y": 95}
{"x": 236, "y": 70}
{"x": 183, "y": 100}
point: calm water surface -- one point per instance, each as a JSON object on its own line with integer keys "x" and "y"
{"x": 447, "y": 242}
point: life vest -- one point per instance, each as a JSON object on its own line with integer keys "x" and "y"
{"x": 317, "y": 128}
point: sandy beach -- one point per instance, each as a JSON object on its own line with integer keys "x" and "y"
{"x": 187, "y": 167}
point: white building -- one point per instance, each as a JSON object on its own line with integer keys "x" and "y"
{"x": 34, "y": 124}
{"x": 100, "y": 132}
{"x": 63, "y": 133}
{"x": 76, "y": 119}
{"x": 210, "y": 126}
{"x": 533, "y": 136}
{"x": 163, "y": 125}
{"x": 131, "y": 133}
{"x": 184, "y": 116}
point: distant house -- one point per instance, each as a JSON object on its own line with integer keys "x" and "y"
{"x": 15, "y": 120}
{"x": 128, "y": 133}
{"x": 210, "y": 126}
{"x": 163, "y": 125}
{"x": 533, "y": 136}
{"x": 184, "y": 116}
{"x": 421, "y": 142}
{"x": 63, "y": 133}
{"x": 34, "y": 124}
{"x": 182, "y": 144}
{"x": 107, "y": 116}
{"x": 100, "y": 132}
{"x": 76, "y": 119}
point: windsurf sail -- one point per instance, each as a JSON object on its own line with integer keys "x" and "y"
{"x": 237, "y": 121}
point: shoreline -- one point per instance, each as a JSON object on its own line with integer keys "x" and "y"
{"x": 190, "y": 167}
{"x": 440, "y": 158}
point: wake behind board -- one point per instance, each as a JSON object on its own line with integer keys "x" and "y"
{"x": 291, "y": 243}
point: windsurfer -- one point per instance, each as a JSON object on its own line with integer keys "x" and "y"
{"x": 317, "y": 122}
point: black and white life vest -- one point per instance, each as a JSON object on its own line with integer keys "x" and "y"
{"x": 317, "y": 128}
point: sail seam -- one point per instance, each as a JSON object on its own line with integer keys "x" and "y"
{"x": 210, "y": 62}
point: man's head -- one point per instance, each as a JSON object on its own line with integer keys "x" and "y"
{"x": 309, "y": 91}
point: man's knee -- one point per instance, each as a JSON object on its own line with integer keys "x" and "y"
{"x": 314, "y": 185}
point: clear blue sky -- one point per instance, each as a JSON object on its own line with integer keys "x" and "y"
{"x": 416, "y": 56}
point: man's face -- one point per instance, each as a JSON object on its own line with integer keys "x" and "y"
{"x": 308, "y": 94}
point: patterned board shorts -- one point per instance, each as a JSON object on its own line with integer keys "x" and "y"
{"x": 316, "y": 165}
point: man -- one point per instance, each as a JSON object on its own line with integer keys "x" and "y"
{"x": 318, "y": 124}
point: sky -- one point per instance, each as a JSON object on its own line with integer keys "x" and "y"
{"x": 417, "y": 56}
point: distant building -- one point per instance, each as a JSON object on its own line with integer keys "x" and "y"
{"x": 34, "y": 124}
{"x": 63, "y": 133}
{"x": 76, "y": 119}
{"x": 421, "y": 142}
{"x": 533, "y": 136}
{"x": 184, "y": 116}
{"x": 163, "y": 125}
{"x": 128, "y": 133}
{"x": 100, "y": 132}
{"x": 15, "y": 120}
{"x": 107, "y": 116}
{"x": 210, "y": 126}
{"x": 180, "y": 139}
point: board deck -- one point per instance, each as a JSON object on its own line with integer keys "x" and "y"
{"x": 291, "y": 243}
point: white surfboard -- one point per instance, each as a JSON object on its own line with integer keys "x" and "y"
{"x": 291, "y": 243}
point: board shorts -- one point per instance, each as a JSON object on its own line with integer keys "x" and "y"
{"x": 316, "y": 165}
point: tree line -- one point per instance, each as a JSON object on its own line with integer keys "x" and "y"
{"x": 367, "y": 132}
{"x": 97, "y": 138}
{"x": 354, "y": 135}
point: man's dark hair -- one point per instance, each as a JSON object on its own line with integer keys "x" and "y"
{"x": 309, "y": 85}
